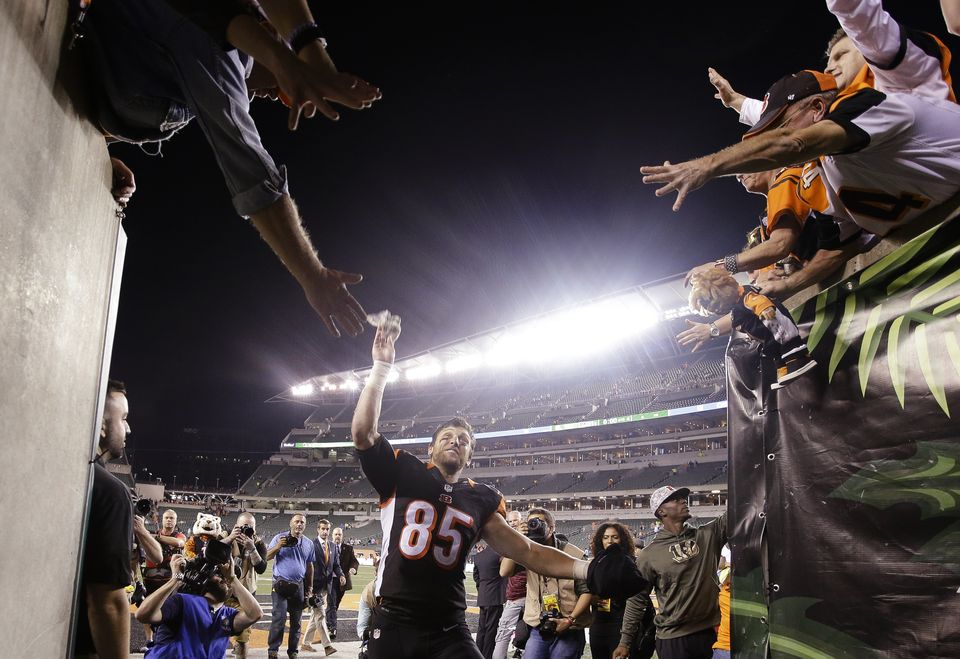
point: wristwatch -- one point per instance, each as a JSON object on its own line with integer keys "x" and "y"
{"x": 714, "y": 330}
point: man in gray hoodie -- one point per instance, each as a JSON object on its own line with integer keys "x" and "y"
{"x": 681, "y": 563}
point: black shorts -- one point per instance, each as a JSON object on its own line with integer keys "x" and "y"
{"x": 394, "y": 639}
{"x": 698, "y": 645}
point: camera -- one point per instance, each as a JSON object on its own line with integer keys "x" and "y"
{"x": 548, "y": 623}
{"x": 144, "y": 507}
{"x": 537, "y": 530}
{"x": 247, "y": 530}
{"x": 290, "y": 541}
{"x": 198, "y": 570}
{"x": 139, "y": 594}
{"x": 313, "y": 601}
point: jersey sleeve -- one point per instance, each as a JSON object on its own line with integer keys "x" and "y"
{"x": 902, "y": 59}
{"x": 380, "y": 465}
{"x": 783, "y": 202}
{"x": 498, "y": 505}
{"x": 750, "y": 111}
{"x": 757, "y": 303}
{"x": 869, "y": 118}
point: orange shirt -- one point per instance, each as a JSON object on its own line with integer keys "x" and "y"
{"x": 723, "y": 631}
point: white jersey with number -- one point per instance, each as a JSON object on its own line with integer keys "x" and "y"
{"x": 905, "y": 159}
{"x": 900, "y": 58}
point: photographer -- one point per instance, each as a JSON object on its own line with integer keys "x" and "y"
{"x": 192, "y": 625}
{"x": 295, "y": 556}
{"x": 557, "y": 610}
{"x": 248, "y": 551}
{"x": 158, "y": 573}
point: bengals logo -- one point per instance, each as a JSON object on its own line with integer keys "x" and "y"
{"x": 684, "y": 551}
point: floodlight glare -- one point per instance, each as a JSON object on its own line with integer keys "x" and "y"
{"x": 302, "y": 389}
{"x": 464, "y": 363}
{"x": 424, "y": 371}
{"x": 350, "y": 385}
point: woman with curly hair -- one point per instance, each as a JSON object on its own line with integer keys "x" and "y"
{"x": 608, "y": 613}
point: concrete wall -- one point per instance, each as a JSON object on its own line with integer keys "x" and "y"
{"x": 59, "y": 241}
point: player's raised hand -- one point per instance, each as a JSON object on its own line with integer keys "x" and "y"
{"x": 682, "y": 178}
{"x": 725, "y": 92}
{"x": 384, "y": 341}
{"x": 329, "y": 297}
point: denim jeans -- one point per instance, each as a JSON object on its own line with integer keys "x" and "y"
{"x": 512, "y": 610}
{"x": 566, "y": 646}
{"x": 155, "y": 70}
{"x": 281, "y": 607}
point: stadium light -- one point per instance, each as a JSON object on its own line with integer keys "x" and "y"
{"x": 350, "y": 385}
{"x": 464, "y": 363}
{"x": 424, "y": 371}
{"x": 305, "y": 389}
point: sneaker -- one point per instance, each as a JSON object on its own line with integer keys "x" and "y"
{"x": 329, "y": 649}
{"x": 271, "y": 654}
{"x": 793, "y": 369}
{"x": 306, "y": 647}
{"x": 333, "y": 634}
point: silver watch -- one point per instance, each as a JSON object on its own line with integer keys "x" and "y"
{"x": 714, "y": 330}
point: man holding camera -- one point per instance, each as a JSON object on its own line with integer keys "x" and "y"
{"x": 325, "y": 572}
{"x": 557, "y": 610}
{"x": 292, "y": 583}
{"x": 197, "y": 625}
{"x": 158, "y": 573}
{"x": 248, "y": 551}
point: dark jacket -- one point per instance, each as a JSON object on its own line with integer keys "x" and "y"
{"x": 325, "y": 569}
{"x": 491, "y": 587}
{"x": 348, "y": 561}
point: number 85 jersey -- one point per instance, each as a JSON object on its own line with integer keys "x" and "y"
{"x": 429, "y": 527}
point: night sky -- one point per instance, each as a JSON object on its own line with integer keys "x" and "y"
{"x": 497, "y": 178}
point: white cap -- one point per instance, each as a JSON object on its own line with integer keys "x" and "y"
{"x": 661, "y": 494}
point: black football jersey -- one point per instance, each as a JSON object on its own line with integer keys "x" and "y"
{"x": 429, "y": 528}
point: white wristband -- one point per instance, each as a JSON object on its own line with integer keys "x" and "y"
{"x": 378, "y": 375}
{"x": 580, "y": 570}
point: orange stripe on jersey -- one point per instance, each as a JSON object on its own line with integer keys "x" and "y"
{"x": 812, "y": 190}
{"x": 945, "y": 57}
{"x": 783, "y": 199}
{"x": 470, "y": 481}
{"x": 502, "y": 508}
{"x": 757, "y": 303}
{"x": 851, "y": 90}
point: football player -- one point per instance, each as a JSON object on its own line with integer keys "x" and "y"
{"x": 431, "y": 518}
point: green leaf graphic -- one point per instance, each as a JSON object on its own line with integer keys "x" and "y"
{"x": 842, "y": 343}
{"x": 920, "y": 274}
{"x": 869, "y": 346}
{"x": 897, "y": 258}
{"x": 898, "y": 368}
{"x": 926, "y": 368}
{"x": 930, "y": 480}
{"x": 823, "y": 318}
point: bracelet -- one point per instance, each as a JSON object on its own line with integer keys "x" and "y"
{"x": 378, "y": 375}
{"x": 730, "y": 264}
{"x": 304, "y": 35}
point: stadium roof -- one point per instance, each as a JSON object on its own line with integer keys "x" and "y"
{"x": 645, "y": 318}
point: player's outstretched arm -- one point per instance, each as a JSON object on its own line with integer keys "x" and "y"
{"x": 541, "y": 559}
{"x": 770, "y": 150}
{"x": 367, "y": 415}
